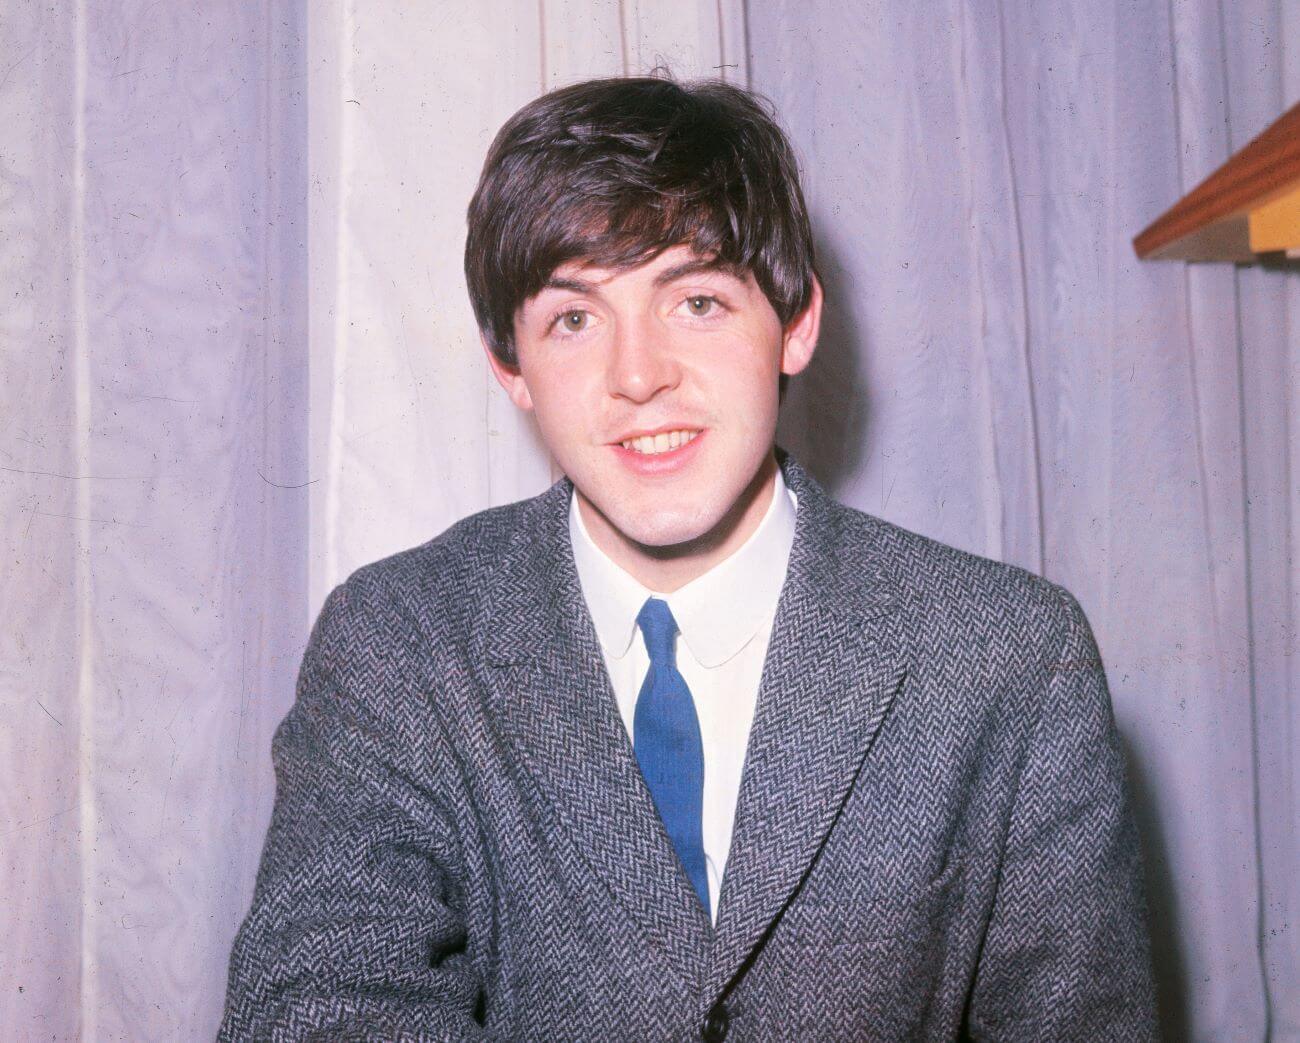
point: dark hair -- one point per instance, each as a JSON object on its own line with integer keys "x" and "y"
{"x": 613, "y": 172}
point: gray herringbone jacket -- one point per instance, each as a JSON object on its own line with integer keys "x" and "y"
{"x": 933, "y": 839}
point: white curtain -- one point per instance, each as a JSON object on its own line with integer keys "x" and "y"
{"x": 1001, "y": 373}
{"x": 151, "y": 395}
{"x": 238, "y": 361}
{"x": 229, "y": 376}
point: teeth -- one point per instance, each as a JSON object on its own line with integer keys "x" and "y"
{"x": 651, "y": 445}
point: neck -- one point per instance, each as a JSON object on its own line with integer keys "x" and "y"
{"x": 666, "y": 569}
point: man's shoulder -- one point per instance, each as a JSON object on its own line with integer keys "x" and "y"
{"x": 439, "y": 583}
{"x": 955, "y": 587}
{"x": 460, "y": 555}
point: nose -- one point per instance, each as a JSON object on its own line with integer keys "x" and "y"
{"x": 641, "y": 362}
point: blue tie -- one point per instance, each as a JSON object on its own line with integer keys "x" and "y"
{"x": 666, "y": 737}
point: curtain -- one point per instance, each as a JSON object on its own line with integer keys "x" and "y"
{"x": 999, "y": 371}
{"x": 238, "y": 362}
{"x": 152, "y": 209}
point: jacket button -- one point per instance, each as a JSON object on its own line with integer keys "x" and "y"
{"x": 715, "y": 1025}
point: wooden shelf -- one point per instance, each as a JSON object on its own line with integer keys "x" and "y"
{"x": 1249, "y": 207}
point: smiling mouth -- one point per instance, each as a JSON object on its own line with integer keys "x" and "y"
{"x": 664, "y": 442}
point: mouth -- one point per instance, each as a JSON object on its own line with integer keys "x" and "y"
{"x": 659, "y": 454}
{"x": 660, "y": 442}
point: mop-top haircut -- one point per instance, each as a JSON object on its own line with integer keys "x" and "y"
{"x": 612, "y": 172}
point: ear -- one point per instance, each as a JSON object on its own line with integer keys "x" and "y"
{"x": 800, "y": 338}
{"x": 509, "y": 377}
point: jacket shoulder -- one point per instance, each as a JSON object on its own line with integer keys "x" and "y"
{"x": 433, "y": 588}
{"x": 457, "y": 558}
{"x": 958, "y": 588}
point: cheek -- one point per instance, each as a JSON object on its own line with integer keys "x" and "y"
{"x": 541, "y": 376}
{"x": 742, "y": 374}
{"x": 562, "y": 398}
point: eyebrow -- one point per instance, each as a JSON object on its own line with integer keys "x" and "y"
{"x": 671, "y": 274}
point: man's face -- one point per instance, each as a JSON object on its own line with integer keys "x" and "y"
{"x": 656, "y": 388}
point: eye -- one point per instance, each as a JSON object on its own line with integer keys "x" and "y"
{"x": 570, "y": 321}
{"x": 702, "y": 305}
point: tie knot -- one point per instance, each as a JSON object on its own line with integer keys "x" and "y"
{"x": 658, "y": 628}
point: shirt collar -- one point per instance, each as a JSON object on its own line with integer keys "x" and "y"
{"x": 718, "y": 613}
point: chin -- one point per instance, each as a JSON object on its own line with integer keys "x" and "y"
{"x": 663, "y": 528}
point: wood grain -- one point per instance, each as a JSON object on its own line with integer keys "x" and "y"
{"x": 1266, "y": 168}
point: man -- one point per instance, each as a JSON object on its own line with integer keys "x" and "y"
{"x": 682, "y": 748}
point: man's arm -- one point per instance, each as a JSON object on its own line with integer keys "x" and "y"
{"x": 1067, "y": 952}
{"x": 355, "y": 929}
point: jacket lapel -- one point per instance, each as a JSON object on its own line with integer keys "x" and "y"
{"x": 836, "y": 657}
{"x": 552, "y": 695}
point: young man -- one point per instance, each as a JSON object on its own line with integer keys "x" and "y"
{"x": 682, "y": 748}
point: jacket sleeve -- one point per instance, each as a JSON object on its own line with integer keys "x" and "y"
{"x": 356, "y": 929}
{"x": 1067, "y": 955}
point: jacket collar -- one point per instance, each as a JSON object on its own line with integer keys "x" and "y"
{"x": 836, "y": 657}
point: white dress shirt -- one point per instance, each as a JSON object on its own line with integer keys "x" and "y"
{"x": 724, "y": 620}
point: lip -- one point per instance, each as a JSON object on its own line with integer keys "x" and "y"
{"x": 670, "y": 462}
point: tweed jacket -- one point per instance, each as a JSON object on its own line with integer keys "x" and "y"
{"x": 933, "y": 838}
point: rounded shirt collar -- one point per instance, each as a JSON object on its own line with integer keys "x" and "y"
{"x": 719, "y": 612}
